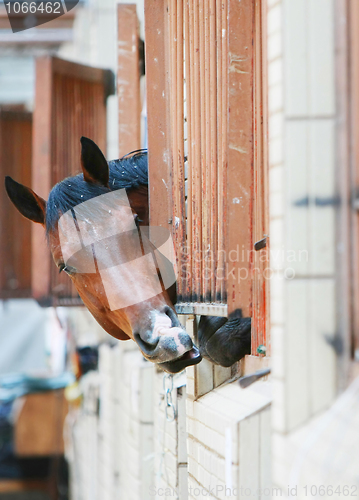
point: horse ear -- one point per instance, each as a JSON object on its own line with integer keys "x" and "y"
{"x": 94, "y": 164}
{"x": 28, "y": 203}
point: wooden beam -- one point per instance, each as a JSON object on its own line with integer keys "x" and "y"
{"x": 159, "y": 143}
{"x": 128, "y": 79}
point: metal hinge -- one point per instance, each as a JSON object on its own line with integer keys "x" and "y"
{"x": 247, "y": 380}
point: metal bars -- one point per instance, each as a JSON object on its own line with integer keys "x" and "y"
{"x": 260, "y": 212}
{"x": 205, "y": 93}
{"x": 199, "y": 240}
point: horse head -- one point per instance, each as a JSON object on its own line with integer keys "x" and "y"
{"x": 95, "y": 225}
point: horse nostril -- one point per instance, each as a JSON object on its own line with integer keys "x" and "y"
{"x": 175, "y": 322}
{"x": 146, "y": 347}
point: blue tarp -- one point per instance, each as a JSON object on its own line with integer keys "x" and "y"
{"x": 14, "y": 386}
{"x": 22, "y": 337}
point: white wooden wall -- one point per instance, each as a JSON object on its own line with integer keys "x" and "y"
{"x": 302, "y": 109}
{"x": 111, "y": 453}
{"x": 17, "y": 79}
{"x": 228, "y": 434}
{"x": 302, "y": 155}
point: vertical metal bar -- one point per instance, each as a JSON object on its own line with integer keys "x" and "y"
{"x": 189, "y": 70}
{"x": 260, "y": 222}
{"x": 197, "y": 161}
{"x": 219, "y": 173}
{"x": 206, "y": 174}
{"x": 266, "y": 308}
{"x": 203, "y": 148}
{"x": 180, "y": 144}
{"x": 257, "y": 233}
{"x": 222, "y": 140}
{"x": 192, "y": 147}
{"x": 225, "y": 136}
{"x": 176, "y": 215}
{"x": 213, "y": 144}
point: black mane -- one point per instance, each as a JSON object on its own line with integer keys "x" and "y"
{"x": 126, "y": 173}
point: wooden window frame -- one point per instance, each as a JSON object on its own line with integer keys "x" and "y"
{"x": 56, "y": 121}
{"x": 246, "y": 145}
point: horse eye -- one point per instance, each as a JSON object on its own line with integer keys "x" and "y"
{"x": 67, "y": 270}
{"x": 137, "y": 219}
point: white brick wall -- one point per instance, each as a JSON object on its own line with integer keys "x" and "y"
{"x": 132, "y": 451}
{"x": 135, "y": 424}
{"x": 301, "y": 145}
{"x": 112, "y": 455}
{"x": 302, "y": 183}
{"x": 228, "y": 428}
{"x": 229, "y": 441}
{"x": 170, "y": 439}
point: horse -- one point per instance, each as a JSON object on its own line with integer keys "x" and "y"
{"x": 119, "y": 274}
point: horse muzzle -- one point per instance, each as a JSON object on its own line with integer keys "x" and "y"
{"x": 190, "y": 358}
{"x": 167, "y": 343}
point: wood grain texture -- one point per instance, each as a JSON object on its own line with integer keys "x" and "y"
{"x": 157, "y": 88}
{"x": 15, "y": 230}
{"x": 39, "y": 428}
{"x": 240, "y": 151}
{"x": 70, "y": 102}
{"x": 128, "y": 79}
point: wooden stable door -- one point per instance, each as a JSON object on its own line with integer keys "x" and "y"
{"x": 70, "y": 102}
{"x": 15, "y": 231}
{"x": 206, "y": 108}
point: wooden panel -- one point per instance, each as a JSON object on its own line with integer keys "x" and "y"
{"x": 128, "y": 79}
{"x": 240, "y": 154}
{"x": 39, "y": 428}
{"x": 157, "y": 87}
{"x": 41, "y": 174}
{"x": 70, "y": 102}
{"x": 297, "y": 367}
{"x": 249, "y": 455}
{"x": 15, "y": 485}
{"x": 15, "y": 231}
{"x": 265, "y": 453}
{"x": 207, "y": 93}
